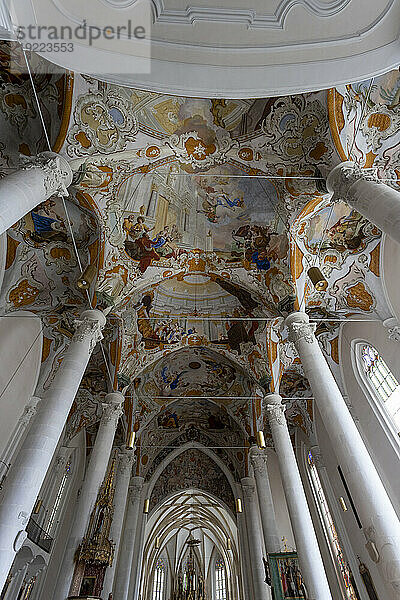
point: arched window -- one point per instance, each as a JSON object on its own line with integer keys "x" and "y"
{"x": 382, "y": 383}
{"x": 159, "y": 580}
{"x": 51, "y": 523}
{"x": 341, "y": 567}
{"x": 220, "y": 580}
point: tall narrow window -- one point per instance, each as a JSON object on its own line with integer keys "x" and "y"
{"x": 342, "y": 569}
{"x": 383, "y": 383}
{"x": 220, "y": 580}
{"x": 159, "y": 580}
{"x": 51, "y": 522}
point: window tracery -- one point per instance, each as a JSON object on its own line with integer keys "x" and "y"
{"x": 159, "y": 580}
{"x": 220, "y": 580}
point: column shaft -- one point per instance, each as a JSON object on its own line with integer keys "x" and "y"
{"x": 120, "y": 498}
{"x": 94, "y": 477}
{"x": 378, "y": 517}
{"x": 125, "y": 558}
{"x": 312, "y": 567}
{"x": 258, "y": 460}
{"x": 29, "y": 470}
{"x": 247, "y": 585}
{"x": 41, "y": 177}
{"x": 256, "y": 543}
{"x": 368, "y": 195}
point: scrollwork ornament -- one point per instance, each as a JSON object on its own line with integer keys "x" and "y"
{"x": 302, "y": 331}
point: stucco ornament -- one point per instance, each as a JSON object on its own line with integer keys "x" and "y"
{"x": 57, "y": 173}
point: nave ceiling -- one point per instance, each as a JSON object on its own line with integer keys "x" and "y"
{"x": 200, "y": 218}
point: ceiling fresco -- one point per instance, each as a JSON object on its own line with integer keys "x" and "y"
{"x": 200, "y": 219}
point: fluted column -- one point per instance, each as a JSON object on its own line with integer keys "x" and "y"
{"x": 258, "y": 458}
{"x": 125, "y": 558}
{"x": 368, "y": 195}
{"x": 29, "y": 470}
{"x": 311, "y": 565}
{"x": 381, "y": 525}
{"x": 256, "y": 545}
{"x": 94, "y": 476}
{"x": 120, "y": 497}
{"x": 39, "y": 178}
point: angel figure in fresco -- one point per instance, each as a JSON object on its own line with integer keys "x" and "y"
{"x": 171, "y": 380}
{"x": 347, "y": 233}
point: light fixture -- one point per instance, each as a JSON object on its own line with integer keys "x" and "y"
{"x": 131, "y": 440}
{"x": 87, "y": 277}
{"x": 239, "y": 507}
{"x": 343, "y": 504}
{"x": 38, "y": 506}
{"x": 228, "y": 544}
{"x": 317, "y": 279}
{"x": 146, "y": 506}
{"x": 260, "y": 439}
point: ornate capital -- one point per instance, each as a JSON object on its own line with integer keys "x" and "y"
{"x": 258, "y": 460}
{"x": 275, "y": 409}
{"x": 344, "y": 176}
{"x": 29, "y": 411}
{"x": 57, "y": 174}
{"x": 89, "y": 328}
{"x": 111, "y": 414}
{"x": 300, "y": 328}
{"x": 125, "y": 462}
{"x": 135, "y": 489}
{"x": 393, "y": 328}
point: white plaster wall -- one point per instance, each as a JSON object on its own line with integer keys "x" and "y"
{"x": 21, "y": 350}
{"x": 389, "y": 267}
{"x": 384, "y": 453}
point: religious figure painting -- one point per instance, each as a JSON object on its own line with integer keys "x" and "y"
{"x": 287, "y": 580}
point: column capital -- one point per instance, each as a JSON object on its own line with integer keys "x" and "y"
{"x": 57, "y": 171}
{"x": 29, "y": 410}
{"x": 344, "y": 176}
{"x": 89, "y": 327}
{"x": 135, "y": 488}
{"x": 393, "y": 328}
{"x": 125, "y": 462}
{"x": 112, "y": 408}
{"x": 299, "y": 326}
{"x": 258, "y": 458}
{"x": 275, "y": 409}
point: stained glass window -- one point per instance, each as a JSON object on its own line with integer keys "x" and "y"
{"x": 220, "y": 580}
{"x": 51, "y": 522}
{"x": 383, "y": 382}
{"x": 159, "y": 580}
{"x": 331, "y": 535}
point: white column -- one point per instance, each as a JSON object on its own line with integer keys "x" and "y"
{"x": 381, "y": 525}
{"x": 125, "y": 558}
{"x": 247, "y": 585}
{"x": 29, "y": 470}
{"x": 16, "y": 436}
{"x": 138, "y": 553}
{"x": 120, "y": 497}
{"x": 368, "y": 195}
{"x": 311, "y": 565}
{"x": 39, "y": 178}
{"x": 258, "y": 458}
{"x": 256, "y": 543}
{"x": 94, "y": 476}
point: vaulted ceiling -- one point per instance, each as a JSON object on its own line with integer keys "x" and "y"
{"x": 200, "y": 218}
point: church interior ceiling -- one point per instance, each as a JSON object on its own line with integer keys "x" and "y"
{"x": 200, "y": 219}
